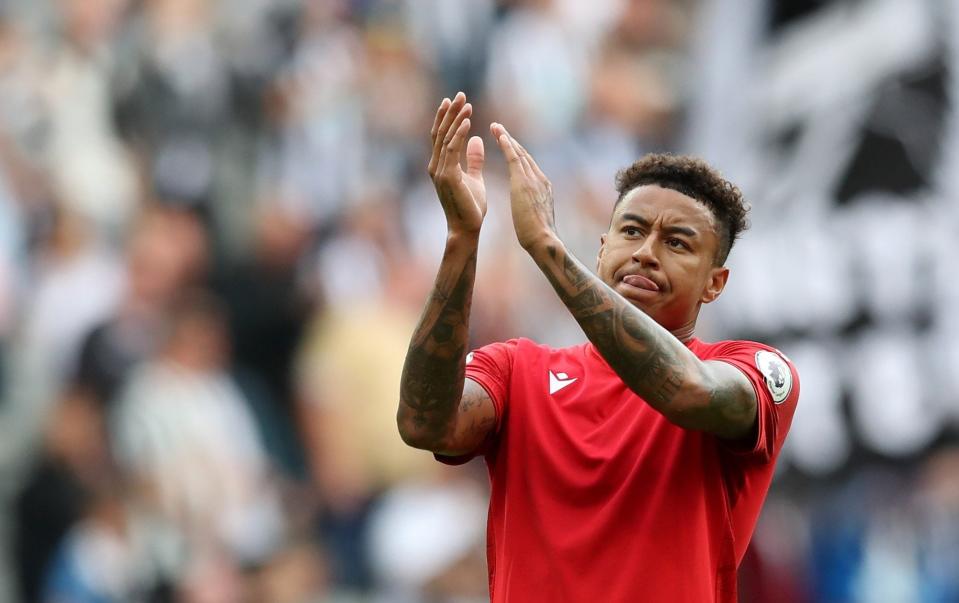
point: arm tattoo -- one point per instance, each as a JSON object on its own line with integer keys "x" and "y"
{"x": 728, "y": 403}
{"x": 433, "y": 374}
{"x": 647, "y": 357}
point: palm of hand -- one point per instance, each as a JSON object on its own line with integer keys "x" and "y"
{"x": 463, "y": 197}
{"x": 462, "y": 193}
{"x": 476, "y": 189}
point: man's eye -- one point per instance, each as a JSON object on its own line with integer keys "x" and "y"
{"x": 631, "y": 231}
{"x": 677, "y": 243}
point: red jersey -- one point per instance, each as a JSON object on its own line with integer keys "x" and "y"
{"x": 596, "y": 496}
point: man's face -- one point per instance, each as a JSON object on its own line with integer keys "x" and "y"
{"x": 660, "y": 254}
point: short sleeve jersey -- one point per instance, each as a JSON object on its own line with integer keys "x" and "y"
{"x": 596, "y": 496}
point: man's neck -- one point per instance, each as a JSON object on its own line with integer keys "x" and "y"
{"x": 686, "y": 332}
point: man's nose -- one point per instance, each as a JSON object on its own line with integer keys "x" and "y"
{"x": 645, "y": 254}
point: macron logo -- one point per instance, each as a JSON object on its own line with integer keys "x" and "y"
{"x": 558, "y": 381}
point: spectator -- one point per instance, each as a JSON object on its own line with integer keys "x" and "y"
{"x": 185, "y": 434}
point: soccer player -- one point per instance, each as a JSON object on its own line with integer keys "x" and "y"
{"x": 632, "y": 467}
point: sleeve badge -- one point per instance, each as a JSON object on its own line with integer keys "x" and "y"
{"x": 779, "y": 379}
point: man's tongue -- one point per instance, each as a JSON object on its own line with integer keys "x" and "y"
{"x": 641, "y": 282}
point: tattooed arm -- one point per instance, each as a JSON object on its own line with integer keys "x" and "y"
{"x": 439, "y": 409}
{"x": 711, "y": 396}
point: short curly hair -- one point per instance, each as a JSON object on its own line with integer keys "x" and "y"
{"x": 694, "y": 178}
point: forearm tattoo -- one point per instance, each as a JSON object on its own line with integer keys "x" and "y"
{"x": 647, "y": 357}
{"x": 433, "y": 374}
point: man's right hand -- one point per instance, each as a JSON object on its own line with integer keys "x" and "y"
{"x": 439, "y": 409}
{"x": 461, "y": 193}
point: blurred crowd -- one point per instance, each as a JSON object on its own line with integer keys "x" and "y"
{"x": 216, "y": 236}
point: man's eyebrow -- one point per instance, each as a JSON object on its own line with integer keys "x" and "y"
{"x": 628, "y": 217}
{"x": 683, "y": 230}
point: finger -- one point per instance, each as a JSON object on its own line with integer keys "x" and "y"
{"x": 465, "y": 112}
{"x": 533, "y": 166}
{"x": 447, "y": 153}
{"x": 523, "y": 157}
{"x": 522, "y": 164}
{"x": 451, "y": 112}
{"x": 454, "y": 150}
{"x": 475, "y": 157}
{"x": 497, "y": 130}
{"x": 443, "y": 141}
{"x": 434, "y": 154}
{"x": 440, "y": 114}
{"x": 509, "y": 153}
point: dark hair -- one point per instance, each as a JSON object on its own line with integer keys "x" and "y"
{"x": 694, "y": 178}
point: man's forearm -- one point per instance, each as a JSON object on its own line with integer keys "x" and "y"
{"x": 648, "y": 358}
{"x": 433, "y": 374}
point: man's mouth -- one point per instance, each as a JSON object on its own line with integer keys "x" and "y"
{"x": 640, "y": 282}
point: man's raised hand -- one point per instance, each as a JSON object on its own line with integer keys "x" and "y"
{"x": 462, "y": 193}
{"x": 531, "y": 194}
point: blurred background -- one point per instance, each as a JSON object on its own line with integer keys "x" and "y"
{"x": 217, "y": 233}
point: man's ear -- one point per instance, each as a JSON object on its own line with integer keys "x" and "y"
{"x": 714, "y": 286}
{"x": 602, "y": 250}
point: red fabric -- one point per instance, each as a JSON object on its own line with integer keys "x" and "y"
{"x": 597, "y": 497}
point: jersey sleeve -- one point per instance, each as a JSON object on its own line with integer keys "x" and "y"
{"x": 491, "y": 367}
{"x": 776, "y": 383}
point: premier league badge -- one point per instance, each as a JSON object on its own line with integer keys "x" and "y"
{"x": 779, "y": 379}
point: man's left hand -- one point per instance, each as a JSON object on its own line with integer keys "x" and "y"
{"x": 531, "y": 195}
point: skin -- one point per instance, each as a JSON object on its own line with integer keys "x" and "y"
{"x": 439, "y": 409}
{"x": 666, "y": 237}
{"x": 655, "y": 268}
